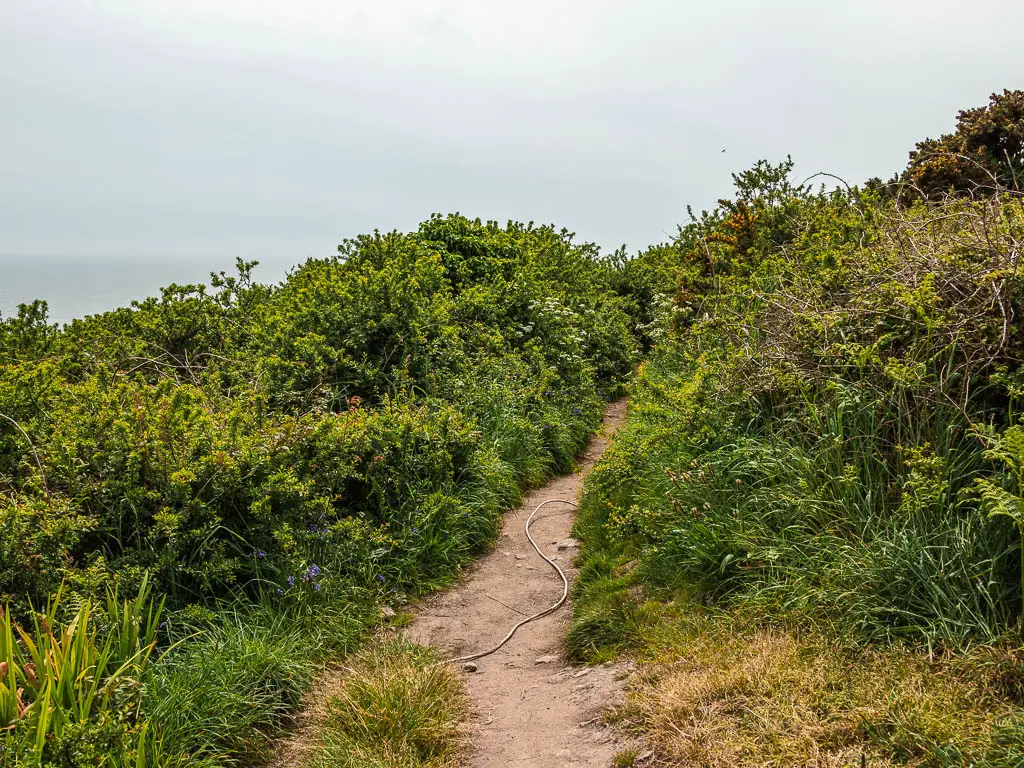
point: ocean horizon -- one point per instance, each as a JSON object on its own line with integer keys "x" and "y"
{"x": 76, "y": 286}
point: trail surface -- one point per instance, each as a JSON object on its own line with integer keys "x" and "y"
{"x": 531, "y": 708}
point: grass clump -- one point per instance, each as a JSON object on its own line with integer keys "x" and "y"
{"x": 224, "y": 691}
{"x": 398, "y": 706}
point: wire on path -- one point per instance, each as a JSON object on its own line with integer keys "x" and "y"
{"x": 551, "y": 609}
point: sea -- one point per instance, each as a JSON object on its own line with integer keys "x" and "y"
{"x": 76, "y": 286}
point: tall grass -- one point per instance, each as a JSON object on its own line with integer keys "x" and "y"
{"x": 812, "y": 510}
{"x": 220, "y": 696}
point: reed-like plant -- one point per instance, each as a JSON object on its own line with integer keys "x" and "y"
{"x": 62, "y": 682}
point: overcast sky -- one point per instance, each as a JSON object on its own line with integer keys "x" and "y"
{"x": 272, "y": 129}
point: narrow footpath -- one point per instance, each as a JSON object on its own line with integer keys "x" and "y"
{"x": 531, "y": 708}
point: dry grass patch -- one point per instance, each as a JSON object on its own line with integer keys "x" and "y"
{"x": 775, "y": 698}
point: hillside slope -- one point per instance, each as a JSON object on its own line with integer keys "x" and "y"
{"x": 812, "y": 522}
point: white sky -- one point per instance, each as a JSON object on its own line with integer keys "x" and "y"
{"x": 273, "y": 129}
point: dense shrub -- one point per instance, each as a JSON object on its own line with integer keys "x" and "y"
{"x": 186, "y": 434}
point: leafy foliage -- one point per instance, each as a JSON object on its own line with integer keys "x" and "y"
{"x": 71, "y": 695}
{"x": 184, "y": 435}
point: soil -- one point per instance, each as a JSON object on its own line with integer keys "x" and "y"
{"x": 531, "y": 707}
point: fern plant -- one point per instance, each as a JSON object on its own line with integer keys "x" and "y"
{"x": 1007, "y": 449}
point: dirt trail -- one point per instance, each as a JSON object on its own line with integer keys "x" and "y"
{"x": 531, "y": 708}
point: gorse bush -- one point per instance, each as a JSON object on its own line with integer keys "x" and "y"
{"x": 262, "y": 455}
{"x": 985, "y": 152}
